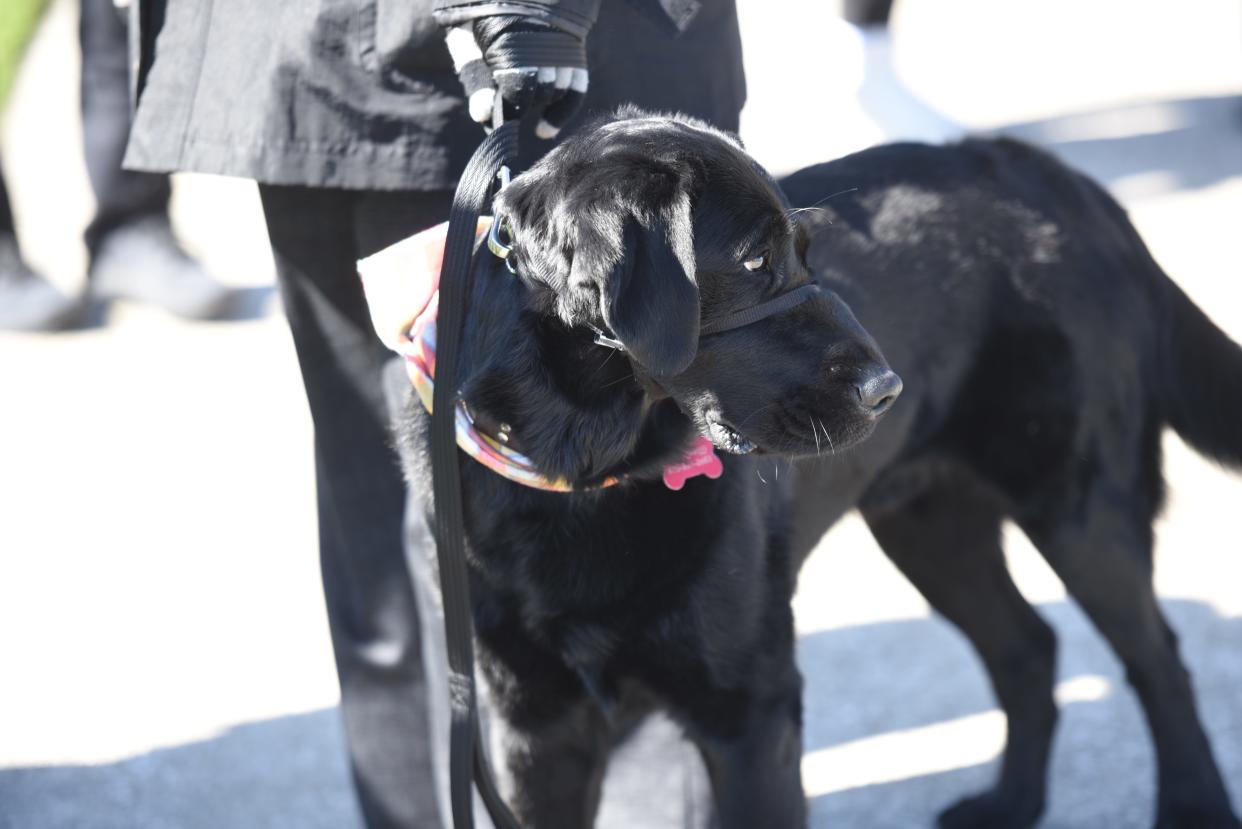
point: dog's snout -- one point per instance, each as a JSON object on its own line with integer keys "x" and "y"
{"x": 878, "y": 390}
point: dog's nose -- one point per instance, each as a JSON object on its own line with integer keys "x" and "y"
{"x": 879, "y": 391}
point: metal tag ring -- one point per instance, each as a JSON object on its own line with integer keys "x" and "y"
{"x": 499, "y": 249}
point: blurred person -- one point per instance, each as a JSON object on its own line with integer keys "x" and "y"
{"x": 867, "y": 12}
{"x": 20, "y": 19}
{"x": 886, "y": 108}
{"x": 28, "y": 302}
{"x": 26, "y": 299}
{"x": 353, "y": 118}
{"x": 133, "y": 253}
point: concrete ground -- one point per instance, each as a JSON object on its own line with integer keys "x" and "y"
{"x": 164, "y": 659}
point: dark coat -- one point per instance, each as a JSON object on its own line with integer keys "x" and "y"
{"x": 361, "y": 94}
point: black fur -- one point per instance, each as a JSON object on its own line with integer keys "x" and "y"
{"x": 1043, "y": 352}
{"x": 1036, "y": 340}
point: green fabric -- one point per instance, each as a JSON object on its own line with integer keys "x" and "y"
{"x": 18, "y": 21}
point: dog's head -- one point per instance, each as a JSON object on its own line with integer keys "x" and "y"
{"x": 649, "y": 227}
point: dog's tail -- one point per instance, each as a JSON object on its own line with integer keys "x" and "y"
{"x": 1201, "y": 382}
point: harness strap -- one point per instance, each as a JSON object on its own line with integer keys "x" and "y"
{"x": 466, "y": 758}
{"x": 757, "y": 312}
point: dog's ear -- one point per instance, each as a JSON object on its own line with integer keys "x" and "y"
{"x": 648, "y": 293}
{"x": 608, "y": 230}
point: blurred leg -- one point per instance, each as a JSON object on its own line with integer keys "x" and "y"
{"x": 21, "y": 20}
{"x": 134, "y": 254}
{"x": 28, "y": 302}
{"x": 6, "y": 213}
{"x": 317, "y": 235}
{"x": 867, "y": 12}
{"x": 121, "y": 195}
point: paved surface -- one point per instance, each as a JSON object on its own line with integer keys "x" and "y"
{"x": 164, "y": 659}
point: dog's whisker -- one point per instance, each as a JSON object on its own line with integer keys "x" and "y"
{"x": 603, "y": 363}
{"x": 611, "y": 383}
{"x": 789, "y": 214}
{"x": 746, "y": 419}
{"x": 834, "y": 195}
{"x": 760, "y": 474}
{"x": 814, "y": 434}
{"x": 597, "y": 370}
{"x": 832, "y": 449}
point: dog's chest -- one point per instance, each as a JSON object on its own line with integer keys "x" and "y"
{"x": 569, "y": 554}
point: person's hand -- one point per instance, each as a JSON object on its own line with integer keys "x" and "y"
{"x": 531, "y": 65}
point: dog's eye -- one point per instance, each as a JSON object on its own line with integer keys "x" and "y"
{"x": 758, "y": 263}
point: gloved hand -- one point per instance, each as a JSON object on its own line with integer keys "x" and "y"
{"x": 533, "y": 65}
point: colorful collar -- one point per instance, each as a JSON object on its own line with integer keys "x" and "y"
{"x": 420, "y": 363}
{"x": 419, "y": 350}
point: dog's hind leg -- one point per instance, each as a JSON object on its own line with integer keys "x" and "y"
{"x": 947, "y": 543}
{"x": 1101, "y": 549}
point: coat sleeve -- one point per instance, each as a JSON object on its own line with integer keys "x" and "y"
{"x": 573, "y": 16}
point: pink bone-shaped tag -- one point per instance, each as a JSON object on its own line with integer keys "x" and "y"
{"x": 700, "y": 460}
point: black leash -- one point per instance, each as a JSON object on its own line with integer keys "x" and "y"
{"x": 467, "y": 761}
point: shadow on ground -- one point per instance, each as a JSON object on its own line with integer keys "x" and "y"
{"x": 283, "y": 773}
{"x": 897, "y": 678}
{"x": 888, "y": 678}
{"x": 1139, "y": 149}
{"x": 1176, "y": 145}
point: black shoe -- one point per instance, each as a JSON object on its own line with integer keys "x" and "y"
{"x": 28, "y": 302}
{"x": 142, "y": 262}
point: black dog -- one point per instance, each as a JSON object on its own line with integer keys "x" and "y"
{"x": 593, "y": 607}
{"x": 1044, "y": 352}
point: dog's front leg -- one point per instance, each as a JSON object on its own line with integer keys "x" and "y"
{"x": 755, "y": 761}
{"x": 550, "y": 741}
{"x": 558, "y": 769}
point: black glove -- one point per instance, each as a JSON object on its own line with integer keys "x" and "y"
{"x": 535, "y": 66}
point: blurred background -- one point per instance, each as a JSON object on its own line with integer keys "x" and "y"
{"x": 156, "y": 481}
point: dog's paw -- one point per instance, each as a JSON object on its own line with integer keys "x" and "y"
{"x": 991, "y": 810}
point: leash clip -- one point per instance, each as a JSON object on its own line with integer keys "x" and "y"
{"x": 501, "y": 249}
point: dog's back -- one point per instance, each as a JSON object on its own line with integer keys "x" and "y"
{"x": 1029, "y": 321}
{"x": 1043, "y": 351}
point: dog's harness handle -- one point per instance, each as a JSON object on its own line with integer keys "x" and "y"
{"x": 467, "y": 761}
